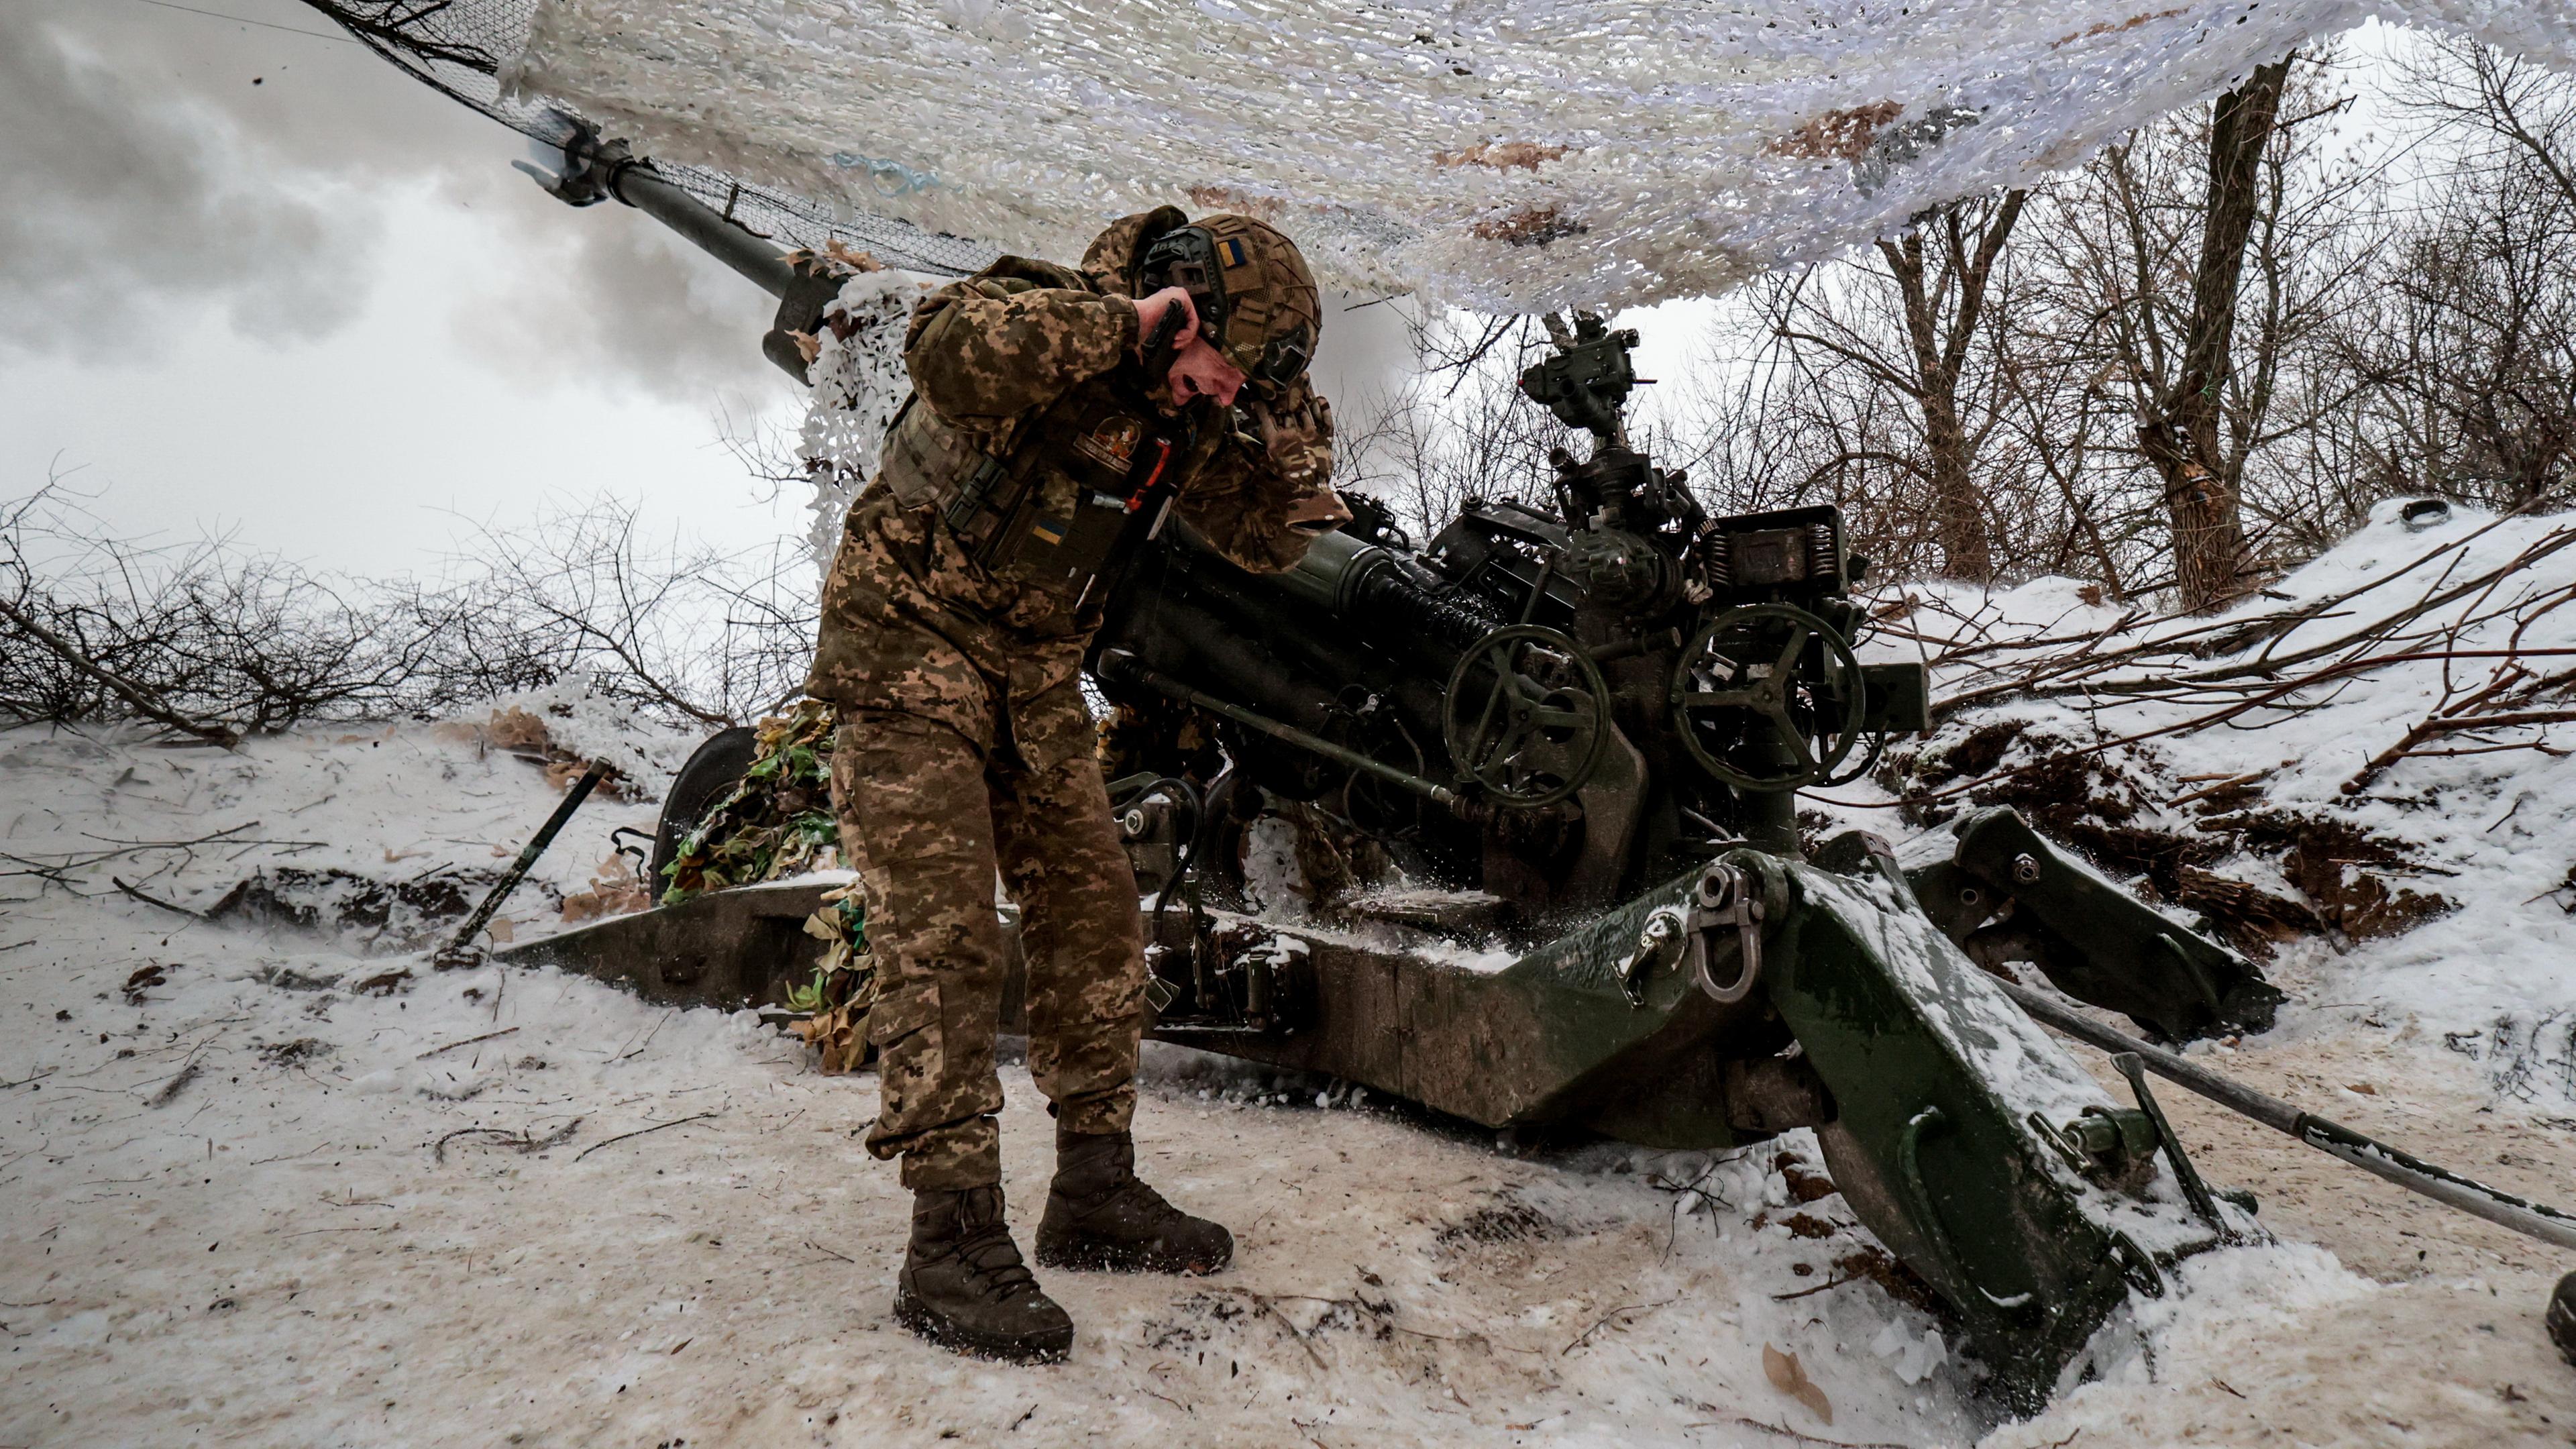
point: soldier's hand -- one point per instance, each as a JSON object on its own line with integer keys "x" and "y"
{"x": 1296, "y": 430}
{"x": 1152, "y": 311}
{"x": 1321, "y": 511}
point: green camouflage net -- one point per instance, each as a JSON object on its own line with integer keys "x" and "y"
{"x": 777, "y": 824}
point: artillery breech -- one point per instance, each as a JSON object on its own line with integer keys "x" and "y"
{"x": 2538, "y": 1220}
{"x": 1122, "y": 665}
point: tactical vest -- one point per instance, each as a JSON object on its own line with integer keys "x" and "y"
{"x": 1083, "y": 483}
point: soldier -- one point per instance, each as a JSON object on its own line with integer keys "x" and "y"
{"x": 1057, "y": 416}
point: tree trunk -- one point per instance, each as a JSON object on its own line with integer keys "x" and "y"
{"x": 1940, "y": 348}
{"x": 1967, "y": 549}
{"x": 2179, "y": 432}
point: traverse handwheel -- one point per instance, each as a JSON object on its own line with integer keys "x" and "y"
{"x": 1765, "y": 673}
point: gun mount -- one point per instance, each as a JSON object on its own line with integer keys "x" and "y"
{"x": 1594, "y": 716}
{"x": 1601, "y": 692}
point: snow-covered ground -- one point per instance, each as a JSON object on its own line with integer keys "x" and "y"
{"x": 2492, "y": 835}
{"x": 266, "y": 1196}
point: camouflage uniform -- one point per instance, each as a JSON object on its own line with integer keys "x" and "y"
{"x": 965, "y": 745}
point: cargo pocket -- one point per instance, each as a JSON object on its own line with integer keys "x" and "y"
{"x": 1052, "y": 727}
{"x": 904, "y": 1028}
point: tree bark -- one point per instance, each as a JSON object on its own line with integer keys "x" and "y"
{"x": 1967, "y": 548}
{"x": 1940, "y": 353}
{"x": 2179, "y": 430}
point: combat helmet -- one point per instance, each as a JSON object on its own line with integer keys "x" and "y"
{"x": 1256, "y": 300}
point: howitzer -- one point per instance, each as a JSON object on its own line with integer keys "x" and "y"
{"x": 1578, "y": 726}
{"x": 1588, "y": 721}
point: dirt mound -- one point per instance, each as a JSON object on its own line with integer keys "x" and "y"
{"x": 2340, "y": 866}
{"x": 2170, "y": 836}
{"x": 398, "y": 915}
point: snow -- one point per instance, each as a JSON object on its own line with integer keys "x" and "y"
{"x": 1278, "y": 896}
{"x": 2491, "y": 831}
{"x": 2027, "y": 1067}
{"x": 593, "y": 726}
{"x": 268, "y": 1201}
{"x": 327, "y": 1232}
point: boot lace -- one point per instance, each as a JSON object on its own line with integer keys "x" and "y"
{"x": 1139, "y": 1197}
{"x": 995, "y": 1259}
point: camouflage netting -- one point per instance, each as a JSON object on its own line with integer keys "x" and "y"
{"x": 859, "y": 384}
{"x": 456, "y": 47}
{"x": 775, "y": 825}
{"x": 1501, "y": 154}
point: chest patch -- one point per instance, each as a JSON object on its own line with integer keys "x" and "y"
{"x": 1111, "y": 444}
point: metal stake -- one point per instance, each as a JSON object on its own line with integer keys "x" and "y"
{"x": 460, "y": 951}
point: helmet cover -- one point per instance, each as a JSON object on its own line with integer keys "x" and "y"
{"x": 1257, "y": 301}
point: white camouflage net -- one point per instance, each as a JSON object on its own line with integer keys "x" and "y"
{"x": 858, "y": 384}
{"x": 1500, "y": 154}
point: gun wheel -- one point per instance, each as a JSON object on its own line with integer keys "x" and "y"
{"x": 1527, "y": 716}
{"x": 1767, "y": 680}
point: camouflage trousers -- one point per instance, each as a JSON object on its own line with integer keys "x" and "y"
{"x": 927, "y": 820}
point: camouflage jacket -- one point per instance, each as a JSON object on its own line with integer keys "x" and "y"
{"x": 1033, "y": 364}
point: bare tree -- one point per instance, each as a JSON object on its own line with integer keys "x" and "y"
{"x": 2178, "y": 423}
{"x": 1458, "y": 427}
{"x": 2195, "y": 272}
{"x": 216, "y": 641}
{"x": 2470, "y": 339}
{"x": 1913, "y": 323}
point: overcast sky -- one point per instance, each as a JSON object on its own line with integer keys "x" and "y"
{"x": 258, "y": 281}
{"x": 254, "y": 280}
{"x": 261, "y": 281}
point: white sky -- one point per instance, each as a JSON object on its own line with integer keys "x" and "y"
{"x": 421, "y": 371}
{"x": 425, "y": 345}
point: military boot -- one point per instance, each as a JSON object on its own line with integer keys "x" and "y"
{"x": 964, "y": 1287}
{"x": 1098, "y": 1215}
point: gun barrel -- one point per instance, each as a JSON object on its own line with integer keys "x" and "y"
{"x": 1358, "y": 580}
{"x": 760, "y": 262}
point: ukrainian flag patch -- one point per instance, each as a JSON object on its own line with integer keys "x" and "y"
{"x": 1047, "y": 531}
{"x": 1234, "y": 251}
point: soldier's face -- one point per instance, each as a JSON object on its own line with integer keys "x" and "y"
{"x": 1200, "y": 371}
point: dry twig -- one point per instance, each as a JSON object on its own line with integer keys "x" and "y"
{"x": 151, "y": 900}
{"x": 1603, "y": 1321}
{"x": 469, "y": 1041}
{"x": 639, "y": 1132}
{"x": 520, "y": 1141}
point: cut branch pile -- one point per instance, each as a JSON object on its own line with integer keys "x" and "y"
{"x": 2480, "y": 631}
{"x": 2246, "y": 672}
{"x": 215, "y": 644}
